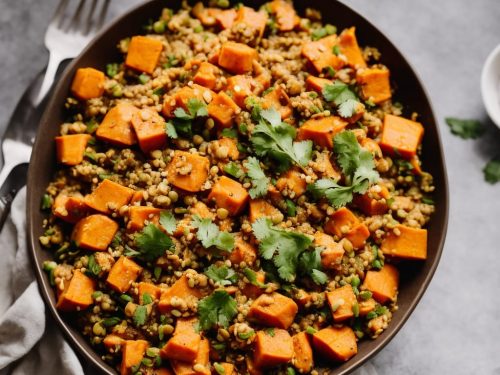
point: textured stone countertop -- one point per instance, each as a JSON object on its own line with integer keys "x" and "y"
{"x": 455, "y": 329}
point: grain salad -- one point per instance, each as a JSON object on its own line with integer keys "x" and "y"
{"x": 235, "y": 195}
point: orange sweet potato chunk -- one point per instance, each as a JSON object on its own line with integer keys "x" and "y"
{"x": 273, "y": 310}
{"x": 302, "y": 353}
{"x": 286, "y": 17}
{"x": 321, "y": 130}
{"x": 148, "y": 288}
{"x": 333, "y": 251}
{"x": 367, "y": 306}
{"x": 206, "y": 15}
{"x": 400, "y": 136}
{"x": 293, "y": 182}
{"x": 320, "y": 54}
{"x": 341, "y": 301}
{"x": 123, "y": 273}
{"x": 272, "y": 350}
{"x": 88, "y": 83}
{"x": 243, "y": 252}
{"x": 116, "y": 127}
{"x": 279, "y": 100}
{"x": 206, "y": 75}
{"x": 223, "y": 110}
{"x": 149, "y": 127}
{"x": 253, "y": 19}
{"x": 132, "y": 354}
{"x": 113, "y": 342}
{"x": 202, "y": 358}
{"x": 179, "y": 289}
{"x": 77, "y": 294}
{"x": 231, "y": 145}
{"x": 181, "y": 98}
{"x": 349, "y": 48}
{"x": 229, "y": 194}
{"x": 237, "y": 58}
{"x": 383, "y": 284}
{"x": 410, "y": 244}
{"x": 69, "y": 208}
{"x": 254, "y": 291}
{"x": 338, "y": 344}
{"x": 70, "y": 148}
{"x": 226, "y": 18}
{"x": 94, "y": 232}
{"x": 185, "y": 343}
{"x": 143, "y": 53}
{"x": 188, "y": 171}
{"x": 373, "y": 203}
{"x": 240, "y": 87}
{"x": 261, "y": 208}
{"x": 358, "y": 235}
{"x": 375, "y": 84}
{"x": 317, "y": 84}
{"x": 341, "y": 222}
{"x": 108, "y": 196}
{"x": 137, "y": 215}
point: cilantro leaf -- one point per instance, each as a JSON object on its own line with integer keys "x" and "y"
{"x": 222, "y": 275}
{"x": 348, "y": 108}
{"x": 229, "y": 133}
{"x": 183, "y": 121}
{"x": 93, "y": 268}
{"x": 283, "y": 247}
{"x": 171, "y": 131}
{"x": 234, "y": 170}
{"x": 291, "y": 209}
{"x": 210, "y": 235}
{"x": 197, "y": 108}
{"x": 251, "y": 275}
{"x": 310, "y": 264}
{"x": 336, "y": 194}
{"x": 466, "y": 129}
{"x": 217, "y": 310}
{"x": 274, "y": 138}
{"x": 167, "y": 221}
{"x": 152, "y": 242}
{"x": 492, "y": 171}
{"x": 140, "y": 315}
{"x": 260, "y": 181}
{"x": 343, "y": 97}
{"x": 147, "y": 299}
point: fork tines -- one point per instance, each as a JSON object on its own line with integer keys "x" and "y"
{"x": 80, "y": 16}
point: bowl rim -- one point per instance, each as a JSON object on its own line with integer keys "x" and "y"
{"x": 491, "y": 102}
{"x": 46, "y": 289}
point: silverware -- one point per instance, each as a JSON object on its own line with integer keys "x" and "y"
{"x": 68, "y": 33}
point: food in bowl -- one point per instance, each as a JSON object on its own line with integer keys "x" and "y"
{"x": 235, "y": 195}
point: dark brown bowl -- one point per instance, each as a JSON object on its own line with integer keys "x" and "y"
{"x": 415, "y": 276}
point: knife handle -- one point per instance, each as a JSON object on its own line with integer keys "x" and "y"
{"x": 12, "y": 184}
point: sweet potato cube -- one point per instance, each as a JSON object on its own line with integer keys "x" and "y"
{"x": 367, "y": 306}
{"x": 293, "y": 182}
{"x": 237, "y": 58}
{"x": 375, "y": 85}
{"x": 143, "y": 53}
{"x": 132, "y": 354}
{"x": 70, "y": 148}
{"x": 202, "y": 358}
{"x": 223, "y": 110}
{"x": 243, "y": 252}
{"x": 113, "y": 342}
{"x": 272, "y": 350}
{"x": 349, "y": 48}
{"x": 226, "y": 18}
{"x": 321, "y": 130}
{"x": 229, "y": 194}
{"x": 88, "y": 83}
{"x": 286, "y": 17}
{"x": 410, "y": 244}
{"x": 317, "y": 84}
{"x": 182, "y": 97}
{"x": 148, "y": 288}
{"x": 77, "y": 294}
{"x": 335, "y": 343}
{"x": 400, "y": 136}
{"x": 206, "y": 15}
{"x": 273, "y": 310}
{"x": 383, "y": 284}
{"x": 373, "y": 202}
{"x": 329, "y": 170}
{"x": 109, "y": 196}
{"x": 254, "y": 291}
{"x": 206, "y": 75}
{"x": 179, "y": 289}
{"x": 333, "y": 251}
{"x": 184, "y": 344}
{"x": 123, "y": 273}
{"x": 188, "y": 171}
{"x": 94, "y": 232}
{"x": 358, "y": 235}
{"x": 302, "y": 353}
{"x": 137, "y": 197}
{"x": 320, "y": 54}
{"x": 261, "y": 208}
{"x": 341, "y": 301}
{"x": 116, "y": 127}
{"x": 232, "y": 147}
{"x": 253, "y": 19}
{"x": 69, "y": 208}
{"x": 137, "y": 215}
{"x": 149, "y": 127}
{"x": 341, "y": 222}
{"x": 279, "y": 100}
{"x": 240, "y": 87}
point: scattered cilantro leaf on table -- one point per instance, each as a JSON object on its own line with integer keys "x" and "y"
{"x": 280, "y": 246}
{"x": 152, "y": 243}
{"x": 492, "y": 171}
{"x": 275, "y": 139}
{"x": 260, "y": 181}
{"x": 167, "y": 221}
{"x": 216, "y": 310}
{"x": 210, "y": 235}
{"x": 344, "y": 98}
{"x": 466, "y": 129}
{"x": 223, "y": 274}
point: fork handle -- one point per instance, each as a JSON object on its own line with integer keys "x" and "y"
{"x": 55, "y": 60}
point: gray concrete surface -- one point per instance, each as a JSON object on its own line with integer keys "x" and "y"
{"x": 456, "y": 327}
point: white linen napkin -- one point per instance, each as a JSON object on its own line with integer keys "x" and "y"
{"x": 30, "y": 341}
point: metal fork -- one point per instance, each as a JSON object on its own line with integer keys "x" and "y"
{"x": 68, "y": 33}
